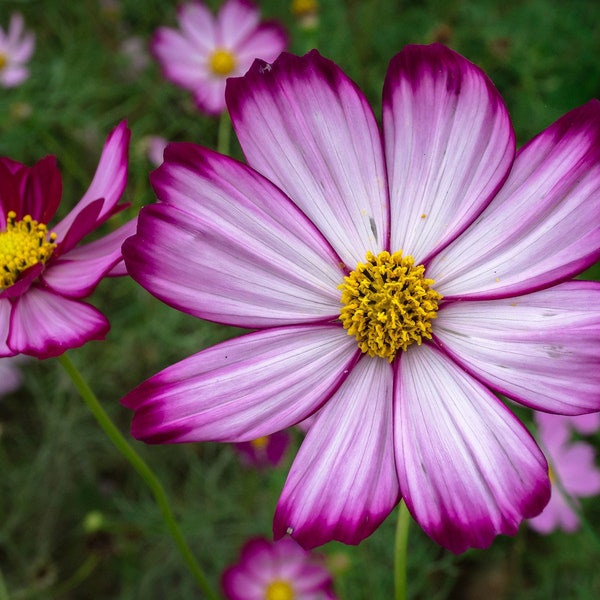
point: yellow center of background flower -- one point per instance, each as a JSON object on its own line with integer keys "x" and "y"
{"x": 23, "y": 244}
{"x": 222, "y": 62}
{"x": 260, "y": 443}
{"x": 301, "y": 8}
{"x": 279, "y": 590}
{"x": 3, "y": 60}
{"x": 388, "y": 304}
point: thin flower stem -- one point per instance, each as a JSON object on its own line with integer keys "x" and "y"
{"x": 400, "y": 548}
{"x": 82, "y": 573}
{"x": 224, "y": 133}
{"x": 143, "y": 470}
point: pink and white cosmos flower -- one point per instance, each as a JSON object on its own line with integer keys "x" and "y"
{"x": 16, "y": 48}
{"x": 277, "y": 571}
{"x": 206, "y": 50}
{"x": 44, "y": 272}
{"x": 573, "y": 472}
{"x": 395, "y": 281}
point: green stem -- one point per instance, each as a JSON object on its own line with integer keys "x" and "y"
{"x": 143, "y": 470}
{"x": 82, "y": 573}
{"x": 400, "y": 548}
{"x": 3, "y": 591}
{"x": 224, "y": 133}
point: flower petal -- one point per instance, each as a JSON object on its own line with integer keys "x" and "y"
{"x": 228, "y": 246}
{"x": 44, "y": 324}
{"x": 42, "y": 190}
{"x": 266, "y": 42}
{"x": 78, "y": 272}
{"x": 343, "y": 482}
{"x": 243, "y": 388}
{"x": 236, "y": 20}
{"x": 449, "y": 146}
{"x": 181, "y": 62}
{"x": 309, "y": 129}
{"x": 198, "y": 25}
{"x": 468, "y": 469}
{"x": 5, "y": 310}
{"x": 109, "y": 180}
{"x": 539, "y": 229}
{"x": 541, "y": 349}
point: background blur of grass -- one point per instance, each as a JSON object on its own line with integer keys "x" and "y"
{"x": 59, "y": 475}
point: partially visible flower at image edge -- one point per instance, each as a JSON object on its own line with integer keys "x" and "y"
{"x": 206, "y": 50}
{"x": 16, "y": 48}
{"x": 266, "y": 451}
{"x": 573, "y": 471}
{"x": 395, "y": 284}
{"x": 277, "y": 571}
{"x": 44, "y": 271}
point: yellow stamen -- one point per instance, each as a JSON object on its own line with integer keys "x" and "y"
{"x": 23, "y": 244}
{"x": 279, "y": 590}
{"x": 3, "y": 60}
{"x": 222, "y": 62}
{"x": 388, "y": 304}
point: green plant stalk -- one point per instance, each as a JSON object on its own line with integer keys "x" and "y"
{"x": 143, "y": 470}
{"x": 224, "y": 133}
{"x": 400, "y": 552}
{"x": 3, "y": 591}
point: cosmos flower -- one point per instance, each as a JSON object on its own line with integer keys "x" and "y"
{"x": 277, "y": 571}
{"x": 44, "y": 272}
{"x": 16, "y": 48}
{"x": 394, "y": 282}
{"x": 266, "y": 451}
{"x": 573, "y": 471}
{"x": 206, "y": 50}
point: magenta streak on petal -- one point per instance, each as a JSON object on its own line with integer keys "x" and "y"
{"x": 42, "y": 190}
{"x": 307, "y": 127}
{"x": 244, "y": 388}
{"x": 44, "y": 324}
{"x": 343, "y": 482}
{"x": 449, "y": 146}
{"x": 540, "y": 349}
{"x": 227, "y": 245}
{"x": 85, "y": 221}
{"x": 538, "y": 229}
{"x": 468, "y": 469}
{"x": 78, "y": 272}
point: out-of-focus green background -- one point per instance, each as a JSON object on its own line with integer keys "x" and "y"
{"x": 75, "y": 521}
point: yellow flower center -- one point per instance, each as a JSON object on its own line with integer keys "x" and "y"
{"x": 388, "y": 304}
{"x": 222, "y": 62}
{"x": 3, "y": 60}
{"x": 260, "y": 443}
{"x": 23, "y": 244}
{"x": 279, "y": 590}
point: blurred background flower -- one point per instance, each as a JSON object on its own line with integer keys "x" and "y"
{"x": 266, "y": 451}
{"x": 573, "y": 471}
{"x": 206, "y": 50}
{"x": 277, "y": 571}
{"x": 16, "y": 48}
